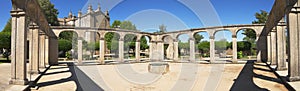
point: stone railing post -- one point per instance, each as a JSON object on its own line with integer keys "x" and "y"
{"x": 42, "y": 50}
{"x": 274, "y": 47}
{"x": 137, "y": 51}
{"x": 192, "y": 49}
{"x": 175, "y": 50}
{"x": 34, "y": 49}
{"x": 212, "y": 49}
{"x": 80, "y": 50}
{"x": 294, "y": 42}
{"x": 18, "y": 48}
{"x": 102, "y": 50}
{"x": 121, "y": 49}
{"x": 234, "y": 49}
{"x": 281, "y": 63}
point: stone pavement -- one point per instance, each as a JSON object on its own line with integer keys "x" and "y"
{"x": 5, "y": 78}
{"x": 187, "y": 76}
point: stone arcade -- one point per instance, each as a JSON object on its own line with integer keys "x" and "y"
{"x": 28, "y": 22}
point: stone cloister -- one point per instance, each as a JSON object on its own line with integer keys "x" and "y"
{"x": 29, "y": 23}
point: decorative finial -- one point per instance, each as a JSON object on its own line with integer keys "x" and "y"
{"x": 70, "y": 14}
{"x": 79, "y": 13}
{"x": 90, "y": 8}
{"x": 99, "y": 7}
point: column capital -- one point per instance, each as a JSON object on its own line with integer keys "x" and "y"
{"x": 234, "y": 36}
{"x": 138, "y": 40}
{"x": 192, "y": 39}
{"x": 15, "y": 13}
{"x": 121, "y": 39}
{"x": 175, "y": 40}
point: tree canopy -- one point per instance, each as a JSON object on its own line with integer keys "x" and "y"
{"x": 49, "y": 11}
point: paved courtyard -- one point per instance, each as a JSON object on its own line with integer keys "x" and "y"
{"x": 181, "y": 77}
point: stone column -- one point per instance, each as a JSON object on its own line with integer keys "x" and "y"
{"x": 18, "y": 48}
{"x": 53, "y": 52}
{"x": 262, "y": 49}
{"x": 47, "y": 51}
{"x": 121, "y": 49}
{"x": 269, "y": 48}
{"x": 102, "y": 50}
{"x": 212, "y": 49}
{"x": 42, "y": 50}
{"x": 34, "y": 48}
{"x": 234, "y": 49}
{"x": 175, "y": 50}
{"x": 294, "y": 43}
{"x": 150, "y": 50}
{"x": 137, "y": 51}
{"x": 192, "y": 49}
{"x": 281, "y": 65}
{"x": 160, "y": 49}
{"x": 274, "y": 47}
{"x": 80, "y": 51}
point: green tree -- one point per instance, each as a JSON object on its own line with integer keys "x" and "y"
{"x": 198, "y": 38}
{"x": 162, "y": 28}
{"x": 261, "y": 17}
{"x": 204, "y": 47}
{"x": 7, "y": 27}
{"x": 64, "y": 46}
{"x": 144, "y": 45}
{"x": 116, "y": 24}
{"x": 49, "y": 11}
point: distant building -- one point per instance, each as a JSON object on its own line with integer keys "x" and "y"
{"x": 93, "y": 18}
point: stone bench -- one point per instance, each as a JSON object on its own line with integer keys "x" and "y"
{"x": 158, "y": 67}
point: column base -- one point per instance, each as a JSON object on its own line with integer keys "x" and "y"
{"x": 281, "y": 68}
{"x": 101, "y": 62}
{"x": 34, "y": 72}
{"x": 138, "y": 60}
{"x": 292, "y": 79}
{"x": 18, "y": 82}
{"x": 234, "y": 61}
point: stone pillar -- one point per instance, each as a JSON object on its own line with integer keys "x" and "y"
{"x": 281, "y": 65}
{"x": 234, "y": 49}
{"x": 175, "y": 50}
{"x": 80, "y": 51}
{"x": 269, "y": 48}
{"x": 34, "y": 50}
{"x": 274, "y": 47}
{"x": 137, "y": 51}
{"x": 262, "y": 49}
{"x": 121, "y": 49}
{"x": 47, "y": 51}
{"x": 18, "y": 48}
{"x": 192, "y": 49}
{"x": 160, "y": 49}
{"x": 212, "y": 49}
{"x": 42, "y": 50}
{"x": 150, "y": 50}
{"x": 294, "y": 43}
{"x": 53, "y": 52}
{"x": 102, "y": 50}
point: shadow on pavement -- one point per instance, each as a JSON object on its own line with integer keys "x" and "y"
{"x": 83, "y": 82}
{"x": 245, "y": 82}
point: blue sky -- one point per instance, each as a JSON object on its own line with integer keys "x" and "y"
{"x": 175, "y": 14}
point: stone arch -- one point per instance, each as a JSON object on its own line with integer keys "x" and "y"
{"x": 57, "y": 32}
{"x": 239, "y": 29}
